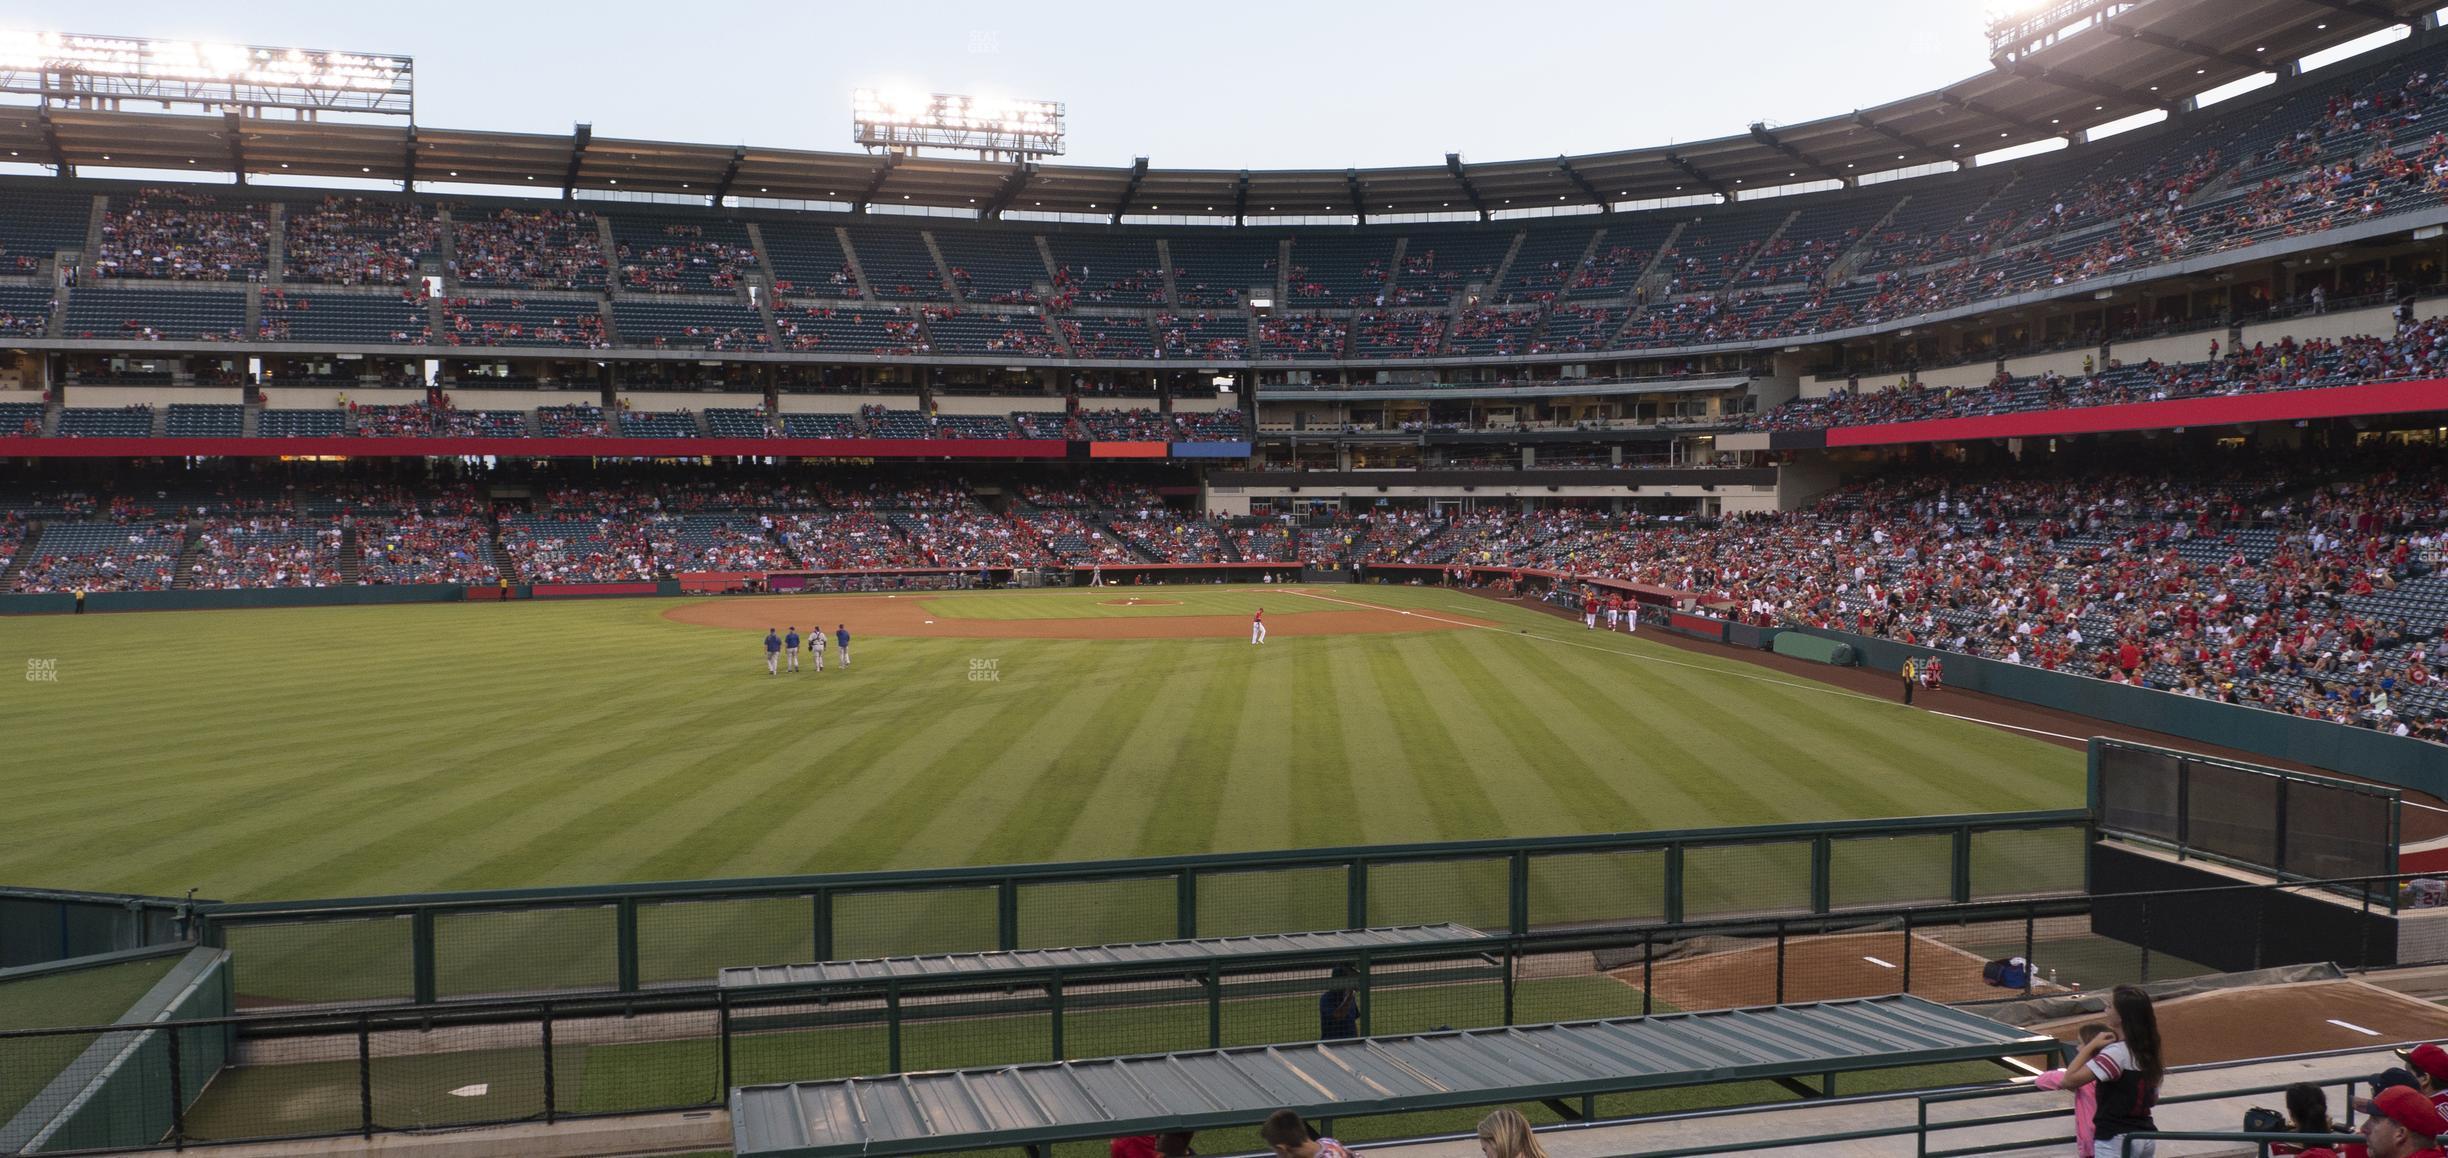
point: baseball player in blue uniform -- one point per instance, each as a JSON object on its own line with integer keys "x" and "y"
{"x": 773, "y": 652}
{"x": 790, "y": 647}
{"x": 841, "y": 637}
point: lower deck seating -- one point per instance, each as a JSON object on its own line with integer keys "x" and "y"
{"x": 204, "y": 420}
{"x": 114, "y": 422}
{"x": 690, "y": 324}
{"x": 93, "y": 556}
{"x": 343, "y": 319}
{"x": 675, "y": 424}
{"x": 156, "y": 315}
{"x": 301, "y": 424}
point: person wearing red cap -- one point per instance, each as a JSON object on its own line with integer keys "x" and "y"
{"x": 2404, "y": 1124}
{"x": 2430, "y": 1065}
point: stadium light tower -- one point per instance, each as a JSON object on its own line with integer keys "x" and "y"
{"x": 2018, "y": 28}
{"x": 994, "y": 128}
{"x": 68, "y": 70}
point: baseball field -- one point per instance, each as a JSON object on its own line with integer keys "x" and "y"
{"x": 325, "y": 752}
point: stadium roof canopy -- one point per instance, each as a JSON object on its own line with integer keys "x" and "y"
{"x": 2135, "y": 58}
{"x": 1035, "y": 1105}
{"x": 1194, "y": 951}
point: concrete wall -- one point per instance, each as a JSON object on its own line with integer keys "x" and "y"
{"x": 844, "y": 403}
{"x": 111, "y": 396}
{"x": 1224, "y": 506}
{"x": 326, "y": 397}
{"x": 1969, "y": 374}
{"x": 2192, "y": 347}
{"x": 2067, "y": 362}
{"x": 1822, "y": 385}
{"x": 970, "y": 404}
{"x": 2343, "y": 324}
{"x": 665, "y": 400}
{"x": 1495, "y": 490}
{"x": 1202, "y": 405}
{"x": 522, "y": 399}
{"x": 1800, "y": 482}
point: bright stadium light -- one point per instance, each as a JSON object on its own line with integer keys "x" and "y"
{"x": 903, "y": 120}
{"x": 79, "y": 71}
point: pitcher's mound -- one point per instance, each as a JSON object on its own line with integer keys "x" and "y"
{"x": 1139, "y": 601}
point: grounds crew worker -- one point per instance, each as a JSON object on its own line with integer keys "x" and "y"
{"x": 1911, "y": 673}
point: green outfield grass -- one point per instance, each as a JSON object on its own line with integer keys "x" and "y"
{"x": 324, "y": 752}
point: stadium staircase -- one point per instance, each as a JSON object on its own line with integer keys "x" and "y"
{"x": 93, "y": 228}
{"x": 250, "y": 420}
{"x": 1504, "y": 267}
{"x": 850, "y": 257}
{"x": 943, "y": 272}
{"x": 1735, "y": 279}
{"x": 450, "y": 261}
{"x": 611, "y": 257}
{"x": 276, "y": 257}
{"x": 254, "y": 314}
{"x": 756, "y": 240}
{"x": 25, "y": 551}
{"x": 190, "y": 545}
{"x": 350, "y": 564}
{"x": 161, "y": 422}
{"x": 1653, "y": 274}
{"x": 1283, "y": 273}
{"x": 1389, "y": 291}
{"x": 1112, "y": 524}
{"x": 1852, "y": 257}
{"x": 1164, "y": 261}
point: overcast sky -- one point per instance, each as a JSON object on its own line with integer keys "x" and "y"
{"x": 1254, "y": 84}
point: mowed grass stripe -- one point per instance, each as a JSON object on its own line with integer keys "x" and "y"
{"x": 1576, "y": 787}
{"x": 1184, "y": 807}
{"x": 1719, "y": 794}
{"x": 1449, "y": 767}
{"x": 1171, "y": 760}
{"x": 1255, "y": 809}
{"x": 1324, "y": 805}
{"x": 1072, "y": 753}
{"x": 1388, "y": 796}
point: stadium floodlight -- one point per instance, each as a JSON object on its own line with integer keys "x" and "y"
{"x": 995, "y": 128}
{"x": 101, "y": 72}
{"x": 2019, "y": 28}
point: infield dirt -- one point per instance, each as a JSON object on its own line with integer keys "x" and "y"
{"x": 908, "y": 615}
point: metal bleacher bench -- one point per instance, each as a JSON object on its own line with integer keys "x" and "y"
{"x": 1034, "y": 1106}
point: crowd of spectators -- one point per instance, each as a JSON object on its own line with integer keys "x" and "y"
{"x": 477, "y": 321}
{"x": 358, "y": 241}
{"x": 2315, "y": 592}
{"x": 544, "y": 249}
{"x": 126, "y": 555}
{"x": 183, "y": 235}
{"x": 257, "y": 551}
{"x": 419, "y": 547}
{"x": 2419, "y": 349}
{"x": 683, "y": 261}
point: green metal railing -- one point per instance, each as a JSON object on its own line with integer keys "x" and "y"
{"x": 628, "y": 938}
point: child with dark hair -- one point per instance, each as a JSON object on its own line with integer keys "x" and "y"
{"x": 2086, "y": 1098}
{"x": 1289, "y": 1137}
{"x": 2127, "y": 1065}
